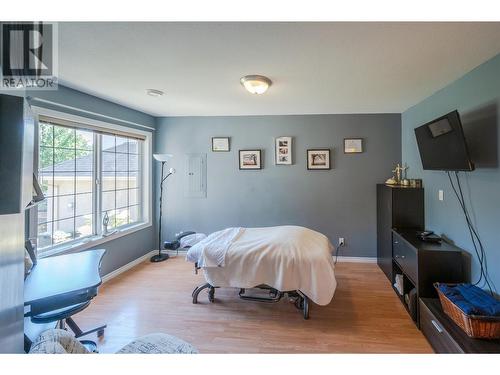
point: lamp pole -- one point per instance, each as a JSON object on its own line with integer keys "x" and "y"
{"x": 161, "y": 257}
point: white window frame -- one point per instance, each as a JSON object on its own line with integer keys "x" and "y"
{"x": 146, "y": 180}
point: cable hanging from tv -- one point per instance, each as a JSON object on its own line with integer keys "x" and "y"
{"x": 484, "y": 278}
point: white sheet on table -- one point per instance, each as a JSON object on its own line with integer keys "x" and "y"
{"x": 285, "y": 257}
{"x": 211, "y": 251}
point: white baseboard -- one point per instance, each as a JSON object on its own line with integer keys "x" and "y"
{"x": 357, "y": 259}
{"x": 128, "y": 266}
{"x": 174, "y": 252}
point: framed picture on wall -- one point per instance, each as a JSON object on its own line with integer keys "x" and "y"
{"x": 250, "y": 159}
{"x": 220, "y": 144}
{"x": 283, "y": 151}
{"x": 318, "y": 159}
{"x": 353, "y": 145}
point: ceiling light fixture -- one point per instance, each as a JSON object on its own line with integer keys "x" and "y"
{"x": 256, "y": 84}
{"x": 155, "y": 93}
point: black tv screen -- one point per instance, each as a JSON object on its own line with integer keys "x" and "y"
{"x": 442, "y": 144}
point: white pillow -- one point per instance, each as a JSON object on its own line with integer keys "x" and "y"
{"x": 192, "y": 239}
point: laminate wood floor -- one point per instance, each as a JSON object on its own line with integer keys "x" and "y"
{"x": 365, "y": 316}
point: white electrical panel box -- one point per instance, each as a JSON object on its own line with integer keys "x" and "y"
{"x": 195, "y": 180}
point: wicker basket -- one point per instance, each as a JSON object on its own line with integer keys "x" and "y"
{"x": 475, "y": 326}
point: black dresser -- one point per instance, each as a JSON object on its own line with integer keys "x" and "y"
{"x": 421, "y": 264}
{"x": 397, "y": 207}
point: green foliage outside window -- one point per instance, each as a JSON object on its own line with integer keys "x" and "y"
{"x": 58, "y": 144}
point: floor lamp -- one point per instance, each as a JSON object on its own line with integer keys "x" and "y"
{"x": 163, "y": 158}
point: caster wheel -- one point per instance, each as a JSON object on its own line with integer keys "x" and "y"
{"x": 211, "y": 295}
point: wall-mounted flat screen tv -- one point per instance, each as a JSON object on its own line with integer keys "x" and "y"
{"x": 442, "y": 144}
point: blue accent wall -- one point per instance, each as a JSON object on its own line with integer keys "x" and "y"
{"x": 340, "y": 202}
{"x": 476, "y": 96}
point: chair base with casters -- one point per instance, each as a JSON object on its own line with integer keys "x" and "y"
{"x": 64, "y": 319}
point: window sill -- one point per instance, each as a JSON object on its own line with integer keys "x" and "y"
{"x": 94, "y": 241}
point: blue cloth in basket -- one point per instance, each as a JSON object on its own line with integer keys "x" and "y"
{"x": 471, "y": 299}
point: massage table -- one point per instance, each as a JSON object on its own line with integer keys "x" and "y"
{"x": 290, "y": 261}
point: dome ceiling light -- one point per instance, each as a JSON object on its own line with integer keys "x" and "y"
{"x": 255, "y": 84}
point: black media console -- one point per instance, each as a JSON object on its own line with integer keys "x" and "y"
{"x": 419, "y": 264}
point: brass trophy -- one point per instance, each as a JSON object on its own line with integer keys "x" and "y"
{"x": 397, "y": 177}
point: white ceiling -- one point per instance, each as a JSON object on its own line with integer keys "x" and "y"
{"x": 315, "y": 67}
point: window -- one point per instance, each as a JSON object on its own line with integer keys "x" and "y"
{"x": 86, "y": 175}
{"x": 66, "y": 165}
{"x": 120, "y": 180}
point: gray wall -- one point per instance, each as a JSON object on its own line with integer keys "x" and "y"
{"x": 130, "y": 247}
{"x": 477, "y": 97}
{"x": 84, "y": 102}
{"x": 126, "y": 249}
{"x": 339, "y": 202}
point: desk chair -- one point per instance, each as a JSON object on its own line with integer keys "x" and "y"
{"x": 63, "y": 316}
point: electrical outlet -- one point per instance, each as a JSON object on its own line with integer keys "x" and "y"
{"x": 441, "y": 195}
{"x": 341, "y": 241}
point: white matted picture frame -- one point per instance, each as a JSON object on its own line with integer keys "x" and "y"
{"x": 220, "y": 144}
{"x": 250, "y": 159}
{"x": 318, "y": 159}
{"x": 283, "y": 151}
{"x": 353, "y": 145}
